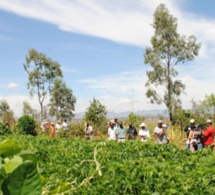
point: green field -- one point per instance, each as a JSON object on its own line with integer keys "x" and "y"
{"x": 76, "y": 166}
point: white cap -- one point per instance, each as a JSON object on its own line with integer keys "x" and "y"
{"x": 208, "y": 121}
{"x": 160, "y": 121}
{"x": 142, "y": 125}
{"x": 192, "y": 121}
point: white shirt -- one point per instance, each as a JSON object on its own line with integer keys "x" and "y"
{"x": 65, "y": 126}
{"x": 57, "y": 126}
{"x": 144, "y": 132}
{"x": 111, "y": 133}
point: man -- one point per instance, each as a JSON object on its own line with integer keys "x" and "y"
{"x": 121, "y": 132}
{"x": 58, "y": 127}
{"x": 88, "y": 131}
{"x": 160, "y": 133}
{"x": 188, "y": 129}
{"x": 143, "y": 133}
{"x": 209, "y": 134}
{"x": 111, "y": 131}
{"x": 116, "y": 122}
{"x": 65, "y": 125}
{"x": 132, "y": 132}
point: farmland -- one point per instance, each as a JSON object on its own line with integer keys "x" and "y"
{"x": 76, "y": 166}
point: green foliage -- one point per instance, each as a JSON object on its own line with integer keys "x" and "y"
{"x": 26, "y": 125}
{"x": 62, "y": 102}
{"x": 4, "y": 130}
{"x": 96, "y": 115}
{"x": 136, "y": 120}
{"x": 74, "y": 166}
{"x": 41, "y": 73}
{"x": 18, "y": 171}
{"x": 168, "y": 49}
{"x": 208, "y": 104}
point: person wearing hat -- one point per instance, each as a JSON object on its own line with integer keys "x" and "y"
{"x": 52, "y": 130}
{"x": 132, "y": 132}
{"x": 209, "y": 134}
{"x": 143, "y": 133}
{"x": 111, "y": 132}
{"x": 121, "y": 132}
{"x": 191, "y": 127}
{"x": 88, "y": 131}
{"x": 160, "y": 133}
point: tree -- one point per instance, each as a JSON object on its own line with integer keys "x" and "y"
{"x": 209, "y": 104}
{"x": 168, "y": 49}
{"x": 62, "y": 102}
{"x": 4, "y": 108}
{"x": 96, "y": 114}
{"x": 136, "y": 120}
{"x": 28, "y": 110}
{"x": 41, "y": 73}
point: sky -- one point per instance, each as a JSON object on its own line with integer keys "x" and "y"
{"x": 100, "y": 46}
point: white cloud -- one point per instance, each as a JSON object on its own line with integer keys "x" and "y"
{"x": 13, "y": 85}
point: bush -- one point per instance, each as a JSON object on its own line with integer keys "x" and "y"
{"x": 26, "y": 125}
{"x": 4, "y": 130}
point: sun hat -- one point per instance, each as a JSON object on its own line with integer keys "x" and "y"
{"x": 192, "y": 121}
{"x": 142, "y": 125}
{"x": 160, "y": 121}
{"x": 208, "y": 121}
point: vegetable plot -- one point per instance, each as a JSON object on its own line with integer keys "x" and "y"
{"x": 106, "y": 167}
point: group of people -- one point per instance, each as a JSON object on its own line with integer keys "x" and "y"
{"x": 52, "y": 128}
{"x": 118, "y": 132}
{"x": 199, "y": 136}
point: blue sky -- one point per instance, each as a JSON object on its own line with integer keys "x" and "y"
{"x": 100, "y": 46}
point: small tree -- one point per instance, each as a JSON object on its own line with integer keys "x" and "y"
{"x": 62, "y": 102}
{"x": 209, "y": 105}
{"x": 168, "y": 49}
{"x": 4, "y": 108}
{"x": 96, "y": 115}
{"x": 26, "y": 125}
{"x": 41, "y": 73}
{"x": 136, "y": 120}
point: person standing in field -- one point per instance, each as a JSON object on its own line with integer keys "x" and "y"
{"x": 65, "y": 125}
{"x": 209, "y": 134}
{"x": 58, "y": 127}
{"x": 115, "y": 120}
{"x": 88, "y": 131}
{"x": 52, "y": 130}
{"x": 111, "y": 132}
{"x": 121, "y": 133}
{"x": 160, "y": 133}
{"x": 132, "y": 132}
{"x": 191, "y": 127}
{"x": 144, "y": 133}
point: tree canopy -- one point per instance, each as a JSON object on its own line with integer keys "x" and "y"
{"x": 42, "y": 71}
{"x": 62, "y": 101}
{"x": 168, "y": 49}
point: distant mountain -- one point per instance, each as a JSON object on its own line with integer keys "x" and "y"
{"x": 146, "y": 113}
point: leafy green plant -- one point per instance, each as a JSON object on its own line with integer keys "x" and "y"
{"x": 26, "y": 125}
{"x": 4, "y": 130}
{"x": 18, "y": 170}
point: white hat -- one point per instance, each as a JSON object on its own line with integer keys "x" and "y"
{"x": 142, "y": 125}
{"x": 208, "y": 121}
{"x": 160, "y": 121}
{"x": 192, "y": 121}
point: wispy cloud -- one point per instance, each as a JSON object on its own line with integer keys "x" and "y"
{"x": 13, "y": 86}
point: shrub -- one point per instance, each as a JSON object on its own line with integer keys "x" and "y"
{"x": 4, "y": 130}
{"x": 26, "y": 125}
